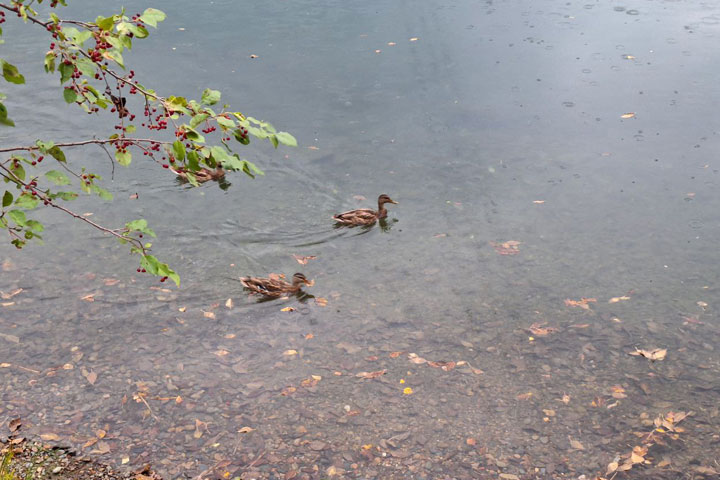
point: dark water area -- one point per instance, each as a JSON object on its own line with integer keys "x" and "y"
{"x": 542, "y": 234}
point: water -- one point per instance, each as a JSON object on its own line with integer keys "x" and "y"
{"x": 492, "y": 107}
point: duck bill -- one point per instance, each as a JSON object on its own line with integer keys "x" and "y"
{"x": 309, "y": 283}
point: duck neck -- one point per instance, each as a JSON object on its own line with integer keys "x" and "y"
{"x": 382, "y": 212}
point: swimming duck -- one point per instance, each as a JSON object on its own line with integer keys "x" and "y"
{"x": 274, "y": 286}
{"x": 365, "y": 216}
{"x": 204, "y": 174}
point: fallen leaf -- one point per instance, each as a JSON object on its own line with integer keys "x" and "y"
{"x": 290, "y": 352}
{"x": 320, "y": 301}
{"x": 5, "y": 365}
{"x": 654, "y": 354}
{"x": 134, "y": 196}
{"x": 470, "y": 441}
{"x": 253, "y": 56}
{"x": 103, "y": 447}
{"x": 627, "y": 115}
{"x": 413, "y": 357}
{"x": 304, "y": 260}
{"x": 49, "y": 437}
{"x": 313, "y": 147}
{"x": 221, "y": 352}
{"x": 287, "y": 309}
{"x": 612, "y": 466}
{"x": 539, "y": 202}
{"x": 14, "y": 424}
{"x": 576, "y": 444}
{"x": 617, "y": 299}
{"x": 91, "y": 377}
{"x": 200, "y": 428}
{"x": 287, "y": 391}
{"x": 414, "y": 39}
{"x": 125, "y": 460}
{"x": 582, "y": 303}
{"x": 89, "y": 298}
{"x": 309, "y": 336}
{"x": 8, "y": 296}
{"x": 395, "y": 354}
{"x": 511, "y": 247}
{"x": 524, "y": 396}
{"x": 229, "y": 303}
{"x": 378, "y": 51}
{"x": 371, "y": 375}
{"x": 246, "y": 430}
{"x": 182, "y": 309}
{"x": 392, "y": 44}
{"x": 407, "y": 391}
{"x": 447, "y": 366}
{"x": 540, "y": 331}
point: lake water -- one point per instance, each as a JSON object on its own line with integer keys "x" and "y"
{"x": 489, "y": 122}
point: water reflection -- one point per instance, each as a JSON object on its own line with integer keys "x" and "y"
{"x": 488, "y": 136}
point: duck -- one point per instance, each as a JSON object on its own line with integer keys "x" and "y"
{"x": 203, "y": 175}
{"x": 365, "y": 216}
{"x": 275, "y": 286}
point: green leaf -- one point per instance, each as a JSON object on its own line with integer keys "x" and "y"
{"x": 44, "y": 146}
{"x": 178, "y": 150}
{"x": 198, "y": 119}
{"x": 193, "y": 162}
{"x": 286, "y": 139}
{"x": 70, "y": 95}
{"x": 123, "y": 157}
{"x": 153, "y": 266}
{"x": 219, "y": 154}
{"x": 210, "y": 97}
{"x": 274, "y": 140}
{"x": 82, "y": 36}
{"x": 58, "y": 178}
{"x": 140, "y": 226}
{"x": 18, "y": 216}
{"x": 151, "y": 16}
{"x": 86, "y": 66}
{"x": 67, "y": 196}
{"x": 116, "y": 57}
{"x": 3, "y": 110}
{"x": 35, "y": 226}
{"x": 19, "y": 172}
{"x": 7, "y": 122}
{"x": 130, "y": 129}
{"x": 57, "y": 154}
{"x": 27, "y": 201}
{"x": 105, "y": 23}
{"x": 102, "y": 193}
{"x": 225, "y": 122}
{"x": 7, "y": 199}
{"x": 66, "y": 72}
{"x": 50, "y": 62}
{"x": 11, "y": 73}
{"x": 251, "y": 169}
{"x": 194, "y": 136}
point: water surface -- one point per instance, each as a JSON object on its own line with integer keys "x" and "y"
{"x": 489, "y": 122}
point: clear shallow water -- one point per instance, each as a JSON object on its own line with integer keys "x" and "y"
{"x": 494, "y": 106}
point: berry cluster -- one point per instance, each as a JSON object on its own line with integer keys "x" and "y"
{"x": 2, "y": 17}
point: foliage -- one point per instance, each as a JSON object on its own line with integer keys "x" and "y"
{"x": 5, "y": 472}
{"x": 88, "y": 58}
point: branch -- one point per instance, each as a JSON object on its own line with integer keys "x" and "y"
{"x": 94, "y": 141}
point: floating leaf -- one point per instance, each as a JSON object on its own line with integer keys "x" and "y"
{"x": 371, "y": 375}
{"x": 511, "y": 247}
{"x": 654, "y": 354}
{"x": 628, "y": 115}
{"x": 304, "y": 260}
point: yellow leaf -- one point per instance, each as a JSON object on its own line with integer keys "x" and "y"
{"x": 627, "y": 115}
{"x": 290, "y": 352}
{"x": 287, "y": 309}
{"x": 408, "y": 391}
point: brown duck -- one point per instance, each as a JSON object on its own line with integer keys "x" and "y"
{"x": 275, "y": 286}
{"x": 365, "y": 216}
{"x": 204, "y": 174}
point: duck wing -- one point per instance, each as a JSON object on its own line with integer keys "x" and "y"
{"x": 361, "y": 216}
{"x": 265, "y": 286}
